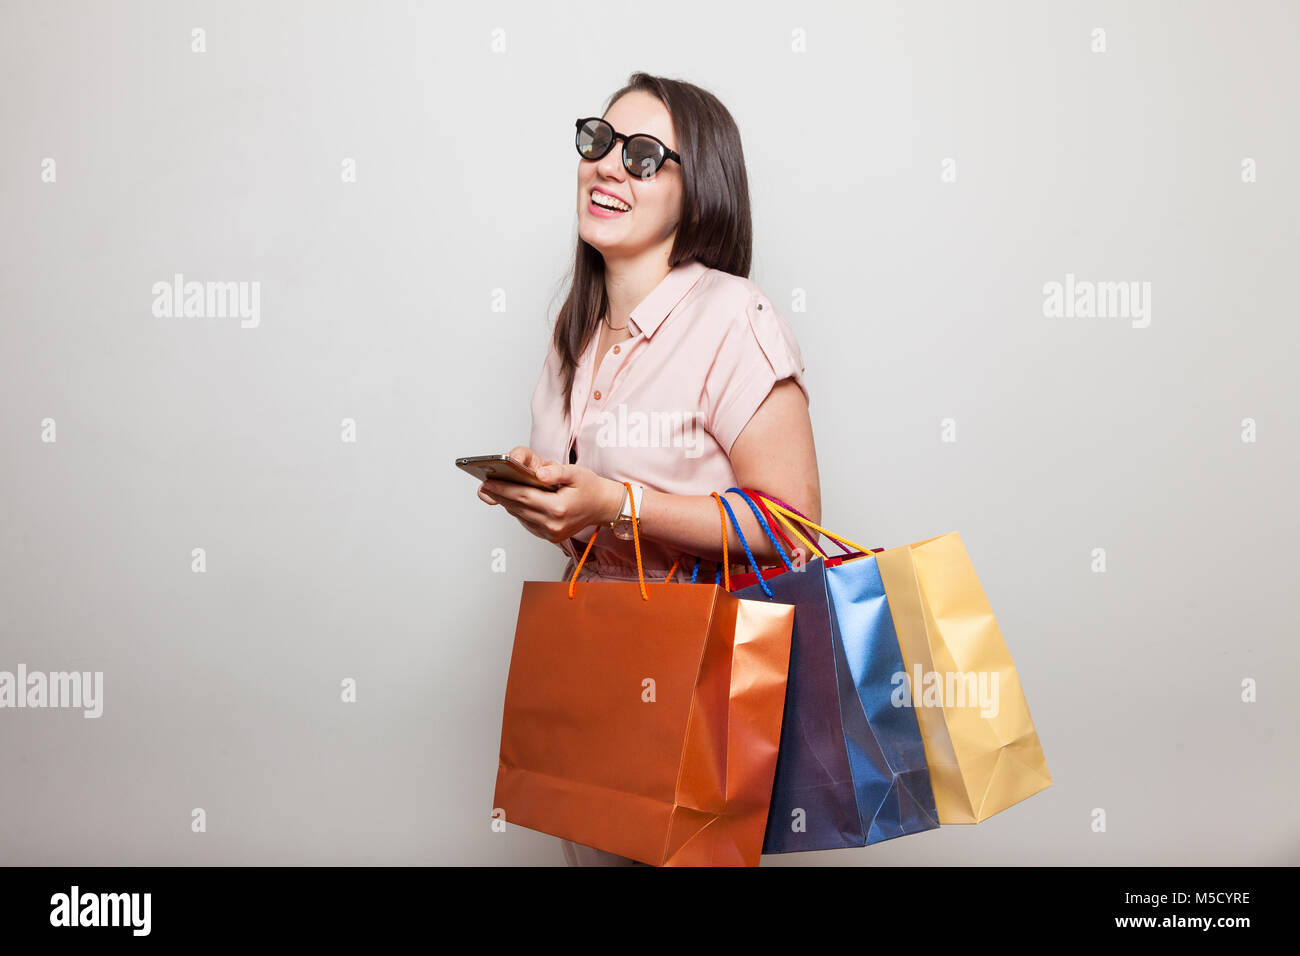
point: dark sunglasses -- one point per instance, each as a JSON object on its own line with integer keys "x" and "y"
{"x": 643, "y": 155}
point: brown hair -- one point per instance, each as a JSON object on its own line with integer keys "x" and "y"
{"x": 715, "y": 226}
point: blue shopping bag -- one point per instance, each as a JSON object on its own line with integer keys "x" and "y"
{"x": 851, "y": 767}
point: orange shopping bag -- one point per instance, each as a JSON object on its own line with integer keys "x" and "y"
{"x": 644, "y": 720}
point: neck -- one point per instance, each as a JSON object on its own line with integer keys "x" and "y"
{"x": 629, "y": 281}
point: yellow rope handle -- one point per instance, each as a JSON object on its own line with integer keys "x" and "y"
{"x": 795, "y": 531}
{"x": 789, "y": 516}
{"x": 780, "y": 513}
{"x": 726, "y": 560}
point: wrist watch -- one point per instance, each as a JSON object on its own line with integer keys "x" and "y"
{"x": 622, "y": 525}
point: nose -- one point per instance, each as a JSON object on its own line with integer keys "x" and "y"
{"x": 610, "y": 166}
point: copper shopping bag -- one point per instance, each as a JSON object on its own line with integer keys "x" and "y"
{"x": 644, "y": 720}
{"x": 981, "y": 747}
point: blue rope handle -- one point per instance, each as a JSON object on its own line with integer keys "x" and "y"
{"x": 762, "y": 523}
{"x": 695, "y": 572}
{"x": 745, "y": 544}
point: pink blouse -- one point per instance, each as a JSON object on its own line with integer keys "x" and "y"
{"x": 668, "y": 403}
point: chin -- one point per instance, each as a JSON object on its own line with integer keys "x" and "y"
{"x": 592, "y": 237}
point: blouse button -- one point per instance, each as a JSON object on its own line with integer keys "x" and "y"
{"x": 596, "y": 396}
{"x": 617, "y": 349}
{"x": 760, "y": 307}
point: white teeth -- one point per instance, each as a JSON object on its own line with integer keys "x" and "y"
{"x": 609, "y": 202}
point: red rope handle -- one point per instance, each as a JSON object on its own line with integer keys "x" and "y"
{"x": 841, "y": 542}
{"x": 775, "y": 525}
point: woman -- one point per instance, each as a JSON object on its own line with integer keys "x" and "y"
{"x": 668, "y": 368}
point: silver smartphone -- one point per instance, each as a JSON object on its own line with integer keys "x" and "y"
{"x": 502, "y": 468}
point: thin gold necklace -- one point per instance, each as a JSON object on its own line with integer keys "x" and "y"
{"x": 622, "y": 328}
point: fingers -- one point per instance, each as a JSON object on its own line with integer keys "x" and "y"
{"x": 556, "y": 473}
{"x": 525, "y": 456}
{"x": 537, "y": 522}
{"x": 514, "y": 497}
{"x": 522, "y": 501}
{"x": 531, "y": 520}
{"x": 511, "y": 491}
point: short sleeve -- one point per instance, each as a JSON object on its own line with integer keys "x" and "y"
{"x": 757, "y": 350}
{"x": 549, "y": 426}
{"x": 543, "y": 395}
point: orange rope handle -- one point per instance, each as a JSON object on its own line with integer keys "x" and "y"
{"x": 590, "y": 542}
{"x": 673, "y": 569}
{"x": 726, "y": 560}
{"x": 636, "y": 540}
{"x": 636, "y": 544}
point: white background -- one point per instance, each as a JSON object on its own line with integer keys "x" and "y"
{"x": 372, "y": 560}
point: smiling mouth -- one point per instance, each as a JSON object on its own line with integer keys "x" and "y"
{"x": 608, "y": 203}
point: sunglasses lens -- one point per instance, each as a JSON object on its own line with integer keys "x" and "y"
{"x": 594, "y": 137}
{"x": 644, "y": 156}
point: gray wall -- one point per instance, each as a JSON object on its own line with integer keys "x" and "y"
{"x": 371, "y": 559}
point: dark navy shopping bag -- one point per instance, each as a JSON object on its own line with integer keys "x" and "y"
{"x": 851, "y": 767}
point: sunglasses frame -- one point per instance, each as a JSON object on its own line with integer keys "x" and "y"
{"x": 665, "y": 156}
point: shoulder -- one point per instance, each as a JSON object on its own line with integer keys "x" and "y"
{"x": 550, "y": 377}
{"x": 731, "y": 294}
{"x": 739, "y": 310}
